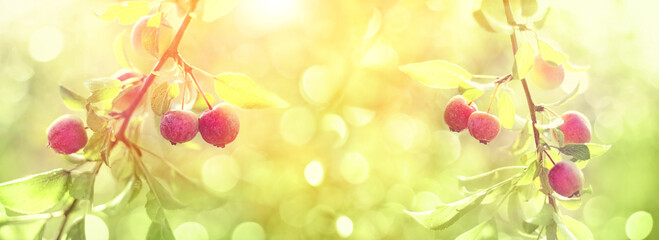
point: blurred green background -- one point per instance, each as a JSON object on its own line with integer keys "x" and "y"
{"x": 361, "y": 141}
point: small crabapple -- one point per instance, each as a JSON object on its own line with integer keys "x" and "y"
{"x": 566, "y": 178}
{"x": 457, "y": 113}
{"x": 67, "y": 135}
{"x": 162, "y": 39}
{"x": 220, "y": 125}
{"x": 546, "y": 75}
{"x": 483, "y": 126}
{"x": 575, "y": 128}
{"x": 179, "y": 126}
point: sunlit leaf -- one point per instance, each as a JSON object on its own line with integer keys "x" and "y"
{"x": 447, "y": 214}
{"x": 570, "y": 203}
{"x": 556, "y": 57}
{"x": 160, "y": 99}
{"x": 523, "y": 140}
{"x": 578, "y": 151}
{"x": 97, "y": 84}
{"x": 130, "y": 191}
{"x": 374, "y": 24}
{"x": 469, "y": 91}
{"x": 436, "y": 73}
{"x": 159, "y": 231}
{"x": 529, "y": 174}
{"x": 564, "y": 233}
{"x": 506, "y": 110}
{"x": 127, "y": 12}
{"x": 95, "y": 122}
{"x": 543, "y": 218}
{"x": 215, "y": 9}
{"x": 528, "y": 157}
{"x": 97, "y": 142}
{"x": 119, "y": 48}
{"x": 481, "y": 13}
{"x": 569, "y": 97}
{"x": 529, "y": 7}
{"x": 81, "y": 185}
{"x": 523, "y": 60}
{"x": 541, "y": 22}
{"x": 473, "y": 233}
{"x": 77, "y": 230}
{"x": 72, "y": 100}
{"x": 36, "y": 193}
{"x": 200, "y": 104}
{"x": 240, "y": 91}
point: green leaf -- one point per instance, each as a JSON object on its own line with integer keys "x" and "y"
{"x": 529, "y": 174}
{"x": 215, "y": 9}
{"x": 543, "y": 218}
{"x": 578, "y": 151}
{"x": 81, "y": 186}
{"x": 97, "y": 84}
{"x": 486, "y": 21}
{"x": 523, "y": 140}
{"x": 523, "y": 60}
{"x": 132, "y": 189}
{"x": 570, "y": 203}
{"x": 447, "y": 214}
{"x": 127, "y": 12}
{"x": 558, "y": 133}
{"x": 159, "y": 231}
{"x": 161, "y": 99}
{"x": 597, "y": 149}
{"x": 95, "y": 122}
{"x": 159, "y": 228}
{"x": 473, "y": 233}
{"x": 36, "y": 193}
{"x": 578, "y": 229}
{"x": 529, "y": 7}
{"x": 515, "y": 213}
{"x": 39, "y": 235}
{"x": 240, "y": 91}
{"x": 436, "y": 73}
{"x": 528, "y": 157}
{"x": 564, "y": 232}
{"x": 639, "y": 225}
{"x": 119, "y": 48}
{"x": 556, "y": 57}
{"x": 469, "y": 91}
{"x": 97, "y": 143}
{"x": 103, "y": 94}
{"x": 506, "y": 110}
{"x": 77, "y": 230}
{"x": 200, "y": 104}
{"x": 541, "y": 22}
{"x": 569, "y": 97}
{"x": 72, "y": 100}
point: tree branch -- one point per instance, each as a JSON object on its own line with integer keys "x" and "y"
{"x": 529, "y": 100}
{"x": 172, "y": 51}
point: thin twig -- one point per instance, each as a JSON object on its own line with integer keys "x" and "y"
{"x": 66, "y": 218}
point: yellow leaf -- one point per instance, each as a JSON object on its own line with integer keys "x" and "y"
{"x": 126, "y": 12}
{"x": 374, "y": 24}
{"x": 524, "y": 60}
{"x": 160, "y": 99}
{"x": 506, "y": 110}
{"x": 239, "y": 90}
{"x": 120, "y": 51}
{"x": 551, "y": 55}
{"x": 436, "y": 73}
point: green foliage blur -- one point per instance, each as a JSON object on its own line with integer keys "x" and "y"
{"x": 361, "y": 141}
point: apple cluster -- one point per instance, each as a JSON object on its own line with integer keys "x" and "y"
{"x": 218, "y": 126}
{"x": 460, "y": 115}
{"x": 565, "y": 177}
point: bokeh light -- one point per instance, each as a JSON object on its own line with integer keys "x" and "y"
{"x": 361, "y": 141}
